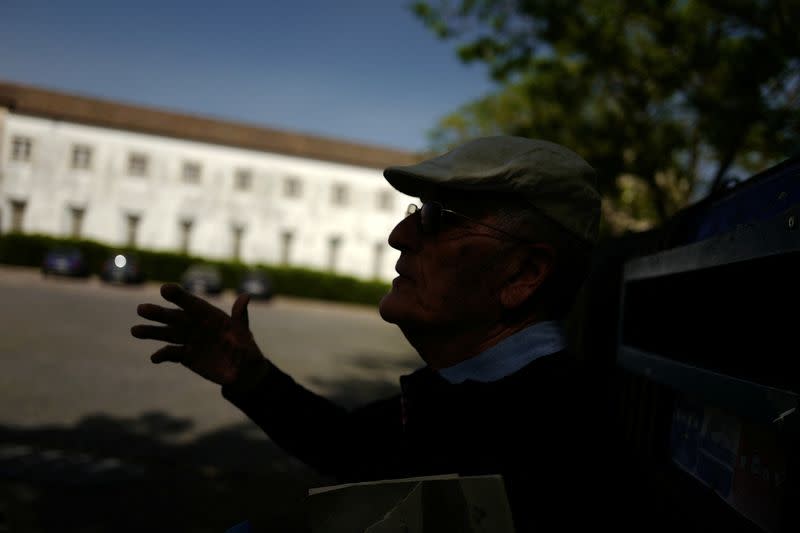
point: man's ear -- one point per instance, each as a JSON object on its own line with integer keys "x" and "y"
{"x": 535, "y": 265}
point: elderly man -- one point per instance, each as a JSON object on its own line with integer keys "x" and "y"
{"x": 490, "y": 262}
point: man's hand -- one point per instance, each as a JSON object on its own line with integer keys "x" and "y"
{"x": 205, "y": 339}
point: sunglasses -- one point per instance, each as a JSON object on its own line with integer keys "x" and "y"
{"x": 432, "y": 213}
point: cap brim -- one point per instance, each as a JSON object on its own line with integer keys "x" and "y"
{"x": 425, "y": 179}
{"x": 411, "y": 180}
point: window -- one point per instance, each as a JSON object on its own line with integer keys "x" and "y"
{"x": 385, "y": 201}
{"x": 133, "y": 228}
{"x": 341, "y": 194}
{"x": 186, "y": 234}
{"x": 137, "y": 165}
{"x": 191, "y": 172}
{"x": 17, "y": 215}
{"x": 334, "y": 245}
{"x": 76, "y": 221}
{"x": 292, "y": 187}
{"x": 21, "y": 148}
{"x": 81, "y": 156}
{"x": 243, "y": 179}
{"x": 287, "y": 237}
{"x": 377, "y": 264}
{"x": 238, "y": 232}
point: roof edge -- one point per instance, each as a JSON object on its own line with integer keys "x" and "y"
{"x": 57, "y": 105}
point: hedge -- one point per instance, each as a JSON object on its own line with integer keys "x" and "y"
{"x": 29, "y": 250}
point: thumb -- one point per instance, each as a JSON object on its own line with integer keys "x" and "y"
{"x": 239, "y": 310}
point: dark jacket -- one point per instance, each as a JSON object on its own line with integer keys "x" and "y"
{"x": 539, "y": 427}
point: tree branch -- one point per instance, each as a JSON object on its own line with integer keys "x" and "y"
{"x": 726, "y": 162}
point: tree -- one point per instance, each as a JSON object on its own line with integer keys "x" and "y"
{"x": 651, "y": 92}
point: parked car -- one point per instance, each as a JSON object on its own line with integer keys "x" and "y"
{"x": 202, "y": 279}
{"x": 65, "y": 261}
{"x": 122, "y": 268}
{"x": 257, "y": 284}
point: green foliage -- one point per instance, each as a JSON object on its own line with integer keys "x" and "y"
{"x": 648, "y": 91}
{"x": 313, "y": 284}
{"x": 162, "y": 266}
{"x": 29, "y": 250}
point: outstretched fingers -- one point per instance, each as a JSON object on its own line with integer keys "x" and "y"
{"x": 239, "y": 310}
{"x": 171, "y": 353}
{"x": 172, "y": 292}
{"x": 159, "y": 333}
{"x": 171, "y": 317}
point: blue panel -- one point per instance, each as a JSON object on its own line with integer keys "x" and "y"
{"x": 760, "y": 198}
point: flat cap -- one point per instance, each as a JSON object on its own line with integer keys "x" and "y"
{"x": 554, "y": 180}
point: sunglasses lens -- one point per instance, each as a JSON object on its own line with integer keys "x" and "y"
{"x": 430, "y": 214}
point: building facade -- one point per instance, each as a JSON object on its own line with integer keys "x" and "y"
{"x": 131, "y": 176}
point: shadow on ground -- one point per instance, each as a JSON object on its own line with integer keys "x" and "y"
{"x": 116, "y": 474}
{"x": 112, "y": 474}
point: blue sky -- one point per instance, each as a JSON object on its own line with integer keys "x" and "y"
{"x": 367, "y": 71}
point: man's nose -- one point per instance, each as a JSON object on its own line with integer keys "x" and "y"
{"x": 406, "y": 235}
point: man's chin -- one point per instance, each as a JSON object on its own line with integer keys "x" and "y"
{"x": 394, "y": 308}
{"x": 387, "y": 308}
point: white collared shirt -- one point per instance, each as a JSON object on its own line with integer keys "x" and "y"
{"x": 509, "y": 355}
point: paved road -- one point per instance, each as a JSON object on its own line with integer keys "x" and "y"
{"x": 66, "y": 352}
{"x": 82, "y": 406}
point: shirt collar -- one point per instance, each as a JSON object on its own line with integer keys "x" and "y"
{"x": 509, "y": 355}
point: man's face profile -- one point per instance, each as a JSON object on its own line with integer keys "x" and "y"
{"x": 447, "y": 278}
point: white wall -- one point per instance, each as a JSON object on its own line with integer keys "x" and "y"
{"x": 50, "y": 186}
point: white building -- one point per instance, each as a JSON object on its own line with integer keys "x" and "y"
{"x": 78, "y": 167}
